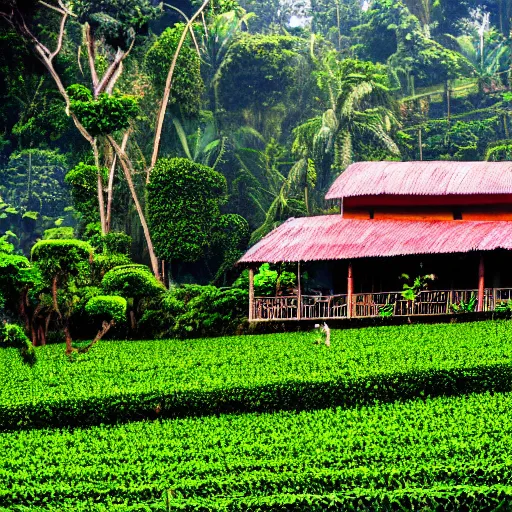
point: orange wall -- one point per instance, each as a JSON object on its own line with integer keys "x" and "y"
{"x": 415, "y": 201}
{"x": 488, "y": 212}
{"x": 487, "y": 215}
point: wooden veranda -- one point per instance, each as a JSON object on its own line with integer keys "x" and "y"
{"x": 372, "y": 305}
{"x": 353, "y": 304}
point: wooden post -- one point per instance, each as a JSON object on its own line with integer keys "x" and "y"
{"x": 251, "y": 294}
{"x": 481, "y": 284}
{"x": 350, "y": 290}
{"x": 299, "y": 293}
{"x": 420, "y": 143}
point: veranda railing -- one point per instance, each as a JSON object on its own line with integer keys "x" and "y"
{"x": 368, "y": 305}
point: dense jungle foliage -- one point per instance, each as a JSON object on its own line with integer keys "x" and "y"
{"x": 174, "y": 135}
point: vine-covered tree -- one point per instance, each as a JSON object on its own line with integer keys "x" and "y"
{"x": 184, "y": 200}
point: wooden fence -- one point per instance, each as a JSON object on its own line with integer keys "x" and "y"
{"x": 368, "y": 305}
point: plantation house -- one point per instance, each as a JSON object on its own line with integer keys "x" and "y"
{"x": 448, "y": 224}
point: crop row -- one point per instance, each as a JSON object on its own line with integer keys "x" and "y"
{"x": 439, "y": 499}
{"x": 120, "y": 381}
{"x": 437, "y": 449}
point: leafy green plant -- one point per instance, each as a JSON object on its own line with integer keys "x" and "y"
{"x": 83, "y": 180}
{"x": 188, "y": 86}
{"x": 107, "y": 307}
{"x": 117, "y": 243}
{"x": 135, "y": 283}
{"x": 415, "y": 286}
{"x": 123, "y": 380}
{"x": 449, "y": 454}
{"x": 386, "y": 310}
{"x": 267, "y": 281}
{"x": 465, "y": 306}
{"x": 64, "y": 233}
{"x": 131, "y": 281}
{"x": 503, "y": 307}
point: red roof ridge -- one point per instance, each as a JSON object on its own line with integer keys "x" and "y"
{"x": 435, "y": 178}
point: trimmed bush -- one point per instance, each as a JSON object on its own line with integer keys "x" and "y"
{"x": 103, "y": 263}
{"x": 107, "y": 307}
{"x": 132, "y": 281}
{"x": 184, "y": 201}
{"x": 56, "y": 257}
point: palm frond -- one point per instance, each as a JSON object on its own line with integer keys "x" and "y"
{"x": 182, "y": 136}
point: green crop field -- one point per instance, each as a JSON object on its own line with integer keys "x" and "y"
{"x": 416, "y": 417}
{"x": 129, "y": 380}
{"x": 424, "y": 451}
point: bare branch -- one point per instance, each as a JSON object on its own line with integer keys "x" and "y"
{"x": 191, "y": 29}
{"x": 61, "y": 37}
{"x": 53, "y": 7}
{"x": 205, "y": 26}
{"x": 104, "y": 329}
{"x": 78, "y": 60}
{"x": 65, "y": 9}
{"x": 113, "y": 72}
{"x": 167, "y": 90}
{"x": 110, "y": 189}
{"x": 117, "y": 73}
{"x": 101, "y": 201}
{"x": 91, "y": 53}
{"x": 109, "y": 73}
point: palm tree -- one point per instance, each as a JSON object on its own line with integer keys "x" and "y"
{"x": 359, "y": 108}
{"x": 489, "y": 61}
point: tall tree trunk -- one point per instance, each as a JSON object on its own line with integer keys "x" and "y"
{"x": 128, "y": 171}
{"x": 110, "y": 189}
{"x": 167, "y": 90}
{"x": 101, "y": 199}
{"x": 69, "y": 340}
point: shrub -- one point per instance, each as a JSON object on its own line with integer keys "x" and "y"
{"x": 107, "y": 307}
{"x": 62, "y": 257}
{"x": 192, "y": 310}
{"x": 187, "y": 87}
{"x": 83, "y": 180}
{"x": 14, "y": 336}
{"x": 208, "y": 311}
{"x": 132, "y": 282}
{"x": 102, "y": 115}
{"x": 103, "y": 263}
